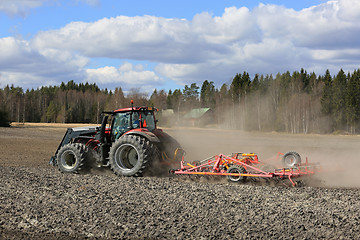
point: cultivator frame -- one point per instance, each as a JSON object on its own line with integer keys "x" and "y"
{"x": 239, "y": 166}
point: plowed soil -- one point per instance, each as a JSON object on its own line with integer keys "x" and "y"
{"x": 39, "y": 202}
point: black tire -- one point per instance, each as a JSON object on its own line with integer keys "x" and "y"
{"x": 236, "y": 169}
{"x": 131, "y": 155}
{"x": 291, "y": 159}
{"x": 71, "y": 158}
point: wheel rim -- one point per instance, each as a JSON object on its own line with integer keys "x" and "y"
{"x": 68, "y": 159}
{"x": 290, "y": 160}
{"x": 235, "y": 178}
{"x": 126, "y": 156}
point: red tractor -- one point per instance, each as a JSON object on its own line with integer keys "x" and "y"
{"x": 128, "y": 141}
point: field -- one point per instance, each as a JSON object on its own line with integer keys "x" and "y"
{"x": 39, "y": 202}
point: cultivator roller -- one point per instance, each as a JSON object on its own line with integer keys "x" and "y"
{"x": 240, "y": 166}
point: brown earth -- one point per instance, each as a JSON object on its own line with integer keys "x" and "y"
{"x": 39, "y": 202}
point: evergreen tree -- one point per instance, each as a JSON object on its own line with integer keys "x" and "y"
{"x": 169, "y": 102}
{"x": 338, "y": 99}
{"x": 235, "y": 88}
{"x": 305, "y": 80}
{"x": 207, "y": 94}
{"x": 255, "y": 84}
{"x": 326, "y": 99}
{"x": 4, "y": 118}
{"x": 51, "y": 112}
{"x": 177, "y": 100}
{"x": 154, "y": 98}
{"x": 353, "y": 101}
{"x": 191, "y": 96}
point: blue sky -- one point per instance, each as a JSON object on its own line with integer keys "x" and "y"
{"x": 166, "y": 44}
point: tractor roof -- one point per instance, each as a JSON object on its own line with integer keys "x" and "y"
{"x": 135, "y": 109}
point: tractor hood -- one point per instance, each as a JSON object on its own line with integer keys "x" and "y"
{"x": 84, "y": 129}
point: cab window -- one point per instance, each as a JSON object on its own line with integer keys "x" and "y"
{"x": 121, "y": 124}
{"x": 147, "y": 120}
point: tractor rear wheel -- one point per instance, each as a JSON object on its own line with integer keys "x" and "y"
{"x": 71, "y": 157}
{"x": 291, "y": 159}
{"x": 131, "y": 155}
{"x": 238, "y": 170}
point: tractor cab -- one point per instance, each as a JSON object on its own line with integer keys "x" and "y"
{"x": 124, "y": 120}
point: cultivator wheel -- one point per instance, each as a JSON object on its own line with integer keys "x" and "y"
{"x": 71, "y": 158}
{"x": 291, "y": 159}
{"x": 238, "y": 170}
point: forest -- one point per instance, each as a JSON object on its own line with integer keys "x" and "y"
{"x": 298, "y": 102}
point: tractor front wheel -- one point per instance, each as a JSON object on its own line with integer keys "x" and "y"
{"x": 131, "y": 155}
{"x": 71, "y": 157}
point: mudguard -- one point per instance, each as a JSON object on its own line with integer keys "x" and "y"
{"x": 144, "y": 133}
{"x": 170, "y": 148}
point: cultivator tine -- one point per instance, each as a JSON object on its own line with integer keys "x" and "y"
{"x": 292, "y": 182}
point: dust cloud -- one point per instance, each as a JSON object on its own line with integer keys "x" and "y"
{"x": 339, "y": 168}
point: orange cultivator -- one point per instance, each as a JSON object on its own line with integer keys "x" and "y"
{"x": 239, "y": 166}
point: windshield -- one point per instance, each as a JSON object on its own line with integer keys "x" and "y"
{"x": 147, "y": 120}
{"x": 123, "y": 122}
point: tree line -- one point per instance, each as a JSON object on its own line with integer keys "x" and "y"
{"x": 297, "y": 102}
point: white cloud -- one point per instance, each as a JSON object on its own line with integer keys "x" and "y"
{"x": 233, "y": 26}
{"x": 322, "y": 26}
{"x": 267, "y": 39}
{"x": 268, "y": 56}
{"x": 316, "y": 38}
{"x": 24, "y": 65}
{"x": 349, "y": 10}
{"x": 137, "y": 38}
{"x": 126, "y": 74}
